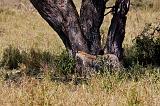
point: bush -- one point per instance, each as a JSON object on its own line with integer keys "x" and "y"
{"x": 146, "y": 47}
{"x": 129, "y": 57}
{"x": 11, "y": 58}
{"x": 34, "y": 60}
{"x": 65, "y": 63}
{"x": 145, "y": 50}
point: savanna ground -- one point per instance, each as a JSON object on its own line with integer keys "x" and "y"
{"x": 22, "y": 27}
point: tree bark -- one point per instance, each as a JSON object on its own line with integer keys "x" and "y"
{"x": 62, "y": 16}
{"x": 116, "y": 31}
{"x": 91, "y": 18}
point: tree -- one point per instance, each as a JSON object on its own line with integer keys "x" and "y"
{"x": 81, "y": 32}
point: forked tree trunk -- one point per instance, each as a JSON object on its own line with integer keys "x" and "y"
{"x": 82, "y": 32}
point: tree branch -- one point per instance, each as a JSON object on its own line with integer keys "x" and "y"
{"x": 62, "y": 16}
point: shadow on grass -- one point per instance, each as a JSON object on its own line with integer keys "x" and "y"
{"x": 39, "y": 64}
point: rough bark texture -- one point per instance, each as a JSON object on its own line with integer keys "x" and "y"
{"x": 116, "y": 31}
{"x": 62, "y": 16}
{"x": 91, "y": 18}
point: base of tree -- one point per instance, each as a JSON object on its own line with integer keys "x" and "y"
{"x": 90, "y": 63}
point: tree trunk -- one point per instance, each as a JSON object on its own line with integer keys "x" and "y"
{"x": 91, "y": 18}
{"x": 82, "y": 33}
{"x": 62, "y": 16}
{"x": 116, "y": 31}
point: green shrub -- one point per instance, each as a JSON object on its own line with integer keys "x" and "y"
{"x": 65, "y": 63}
{"x": 145, "y": 49}
{"x": 11, "y": 58}
{"x": 34, "y": 60}
{"x": 129, "y": 57}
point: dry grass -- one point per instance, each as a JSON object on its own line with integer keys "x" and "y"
{"x": 106, "y": 91}
{"x": 22, "y": 27}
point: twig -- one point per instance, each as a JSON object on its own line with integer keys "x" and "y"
{"x": 108, "y": 12}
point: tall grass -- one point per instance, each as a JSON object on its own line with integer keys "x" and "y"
{"x": 107, "y": 90}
